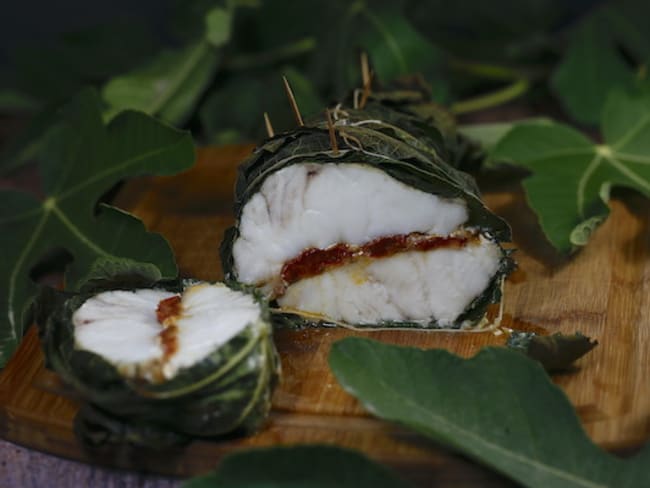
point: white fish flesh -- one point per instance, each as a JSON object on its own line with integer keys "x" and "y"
{"x": 153, "y": 333}
{"x": 352, "y": 244}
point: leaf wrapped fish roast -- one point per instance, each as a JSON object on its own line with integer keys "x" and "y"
{"x": 362, "y": 221}
{"x": 159, "y": 365}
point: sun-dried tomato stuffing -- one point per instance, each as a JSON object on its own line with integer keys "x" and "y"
{"x": 312, "y": 261}
{"x": 385, "y": 246}
{"x": 169, "y": 341}
{"x": 167, "y": 312}
{"x": 431, "y": 244}
{"x": 167, "y": 308}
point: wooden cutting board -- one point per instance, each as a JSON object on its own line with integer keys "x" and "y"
{"x": 604, "y": 291}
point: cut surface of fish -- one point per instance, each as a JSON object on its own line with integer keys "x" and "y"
{"x": 152, "y": 334}
{"x": 353, "y": 244}
{"x": 413, "y": 286}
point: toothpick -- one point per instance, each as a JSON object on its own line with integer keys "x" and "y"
{"x": 364, "y": 98}
{"x": 365, "y": 70}
{"x": 366, "y": 78}
{"x": 269, "y": 127}
{"x": 330, "y": 127}
{"x": 292, "y": 101}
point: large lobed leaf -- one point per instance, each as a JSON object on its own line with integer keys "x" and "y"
{"x": 572, "y": 177}
{"x": 319, "y": 54}
{"x": 502, "y": 30}
{"x": 167, "y": 85}
{"x": 298, "y": 466}
{"x": 594, "y": 61}
{"x": 499, "y": 408}
{"x": 49, "y": 72}
{"x": 80, "y": 162}
{"x": 171, "y": 83}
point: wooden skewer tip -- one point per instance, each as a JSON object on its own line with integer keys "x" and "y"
{"x": 267, "y": 123}
{"x": 292, "y": 101}
{"x": 365, "y": 70}
{"x": 330, "y": 127}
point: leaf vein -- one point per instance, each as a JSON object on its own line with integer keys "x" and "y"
{"x": 455, "y": 430}
{"x": 634, "y": 158}
{"x": 392, "y": 44}
{"x": 117, "y": 168}
{"x": 21, "y": 216}
{"x": 566, "y": 152}
{"x": 77, "y": 233}
{"x": 632, "y": 133}
{"x": 14, "y": 275}
{"x": 582, "y": 183}
{"x": 639, "y": 180}
{"x": 177, "y": 81}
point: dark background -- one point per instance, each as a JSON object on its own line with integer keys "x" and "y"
{"x": 29, "y": 22}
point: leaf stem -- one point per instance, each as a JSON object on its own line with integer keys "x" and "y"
{"x": 514, "y": 90}
{"x": 485, "y": 70}
{"x": 389, "y": 39}
{"x": 191, "y": 61}
{"x": 13, "y": 278}
{"x": 519, "y": 84}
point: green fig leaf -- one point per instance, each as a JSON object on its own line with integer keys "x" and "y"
{"x": 590, "y": 68}
{"x": 304, "y": 466}
{"x": 486, "y": 407}
{"x": 84, "y": 161}
{"x": 13, "y": 100}
{"x": 24, "y": 148}
{"x": 501, "y": 30}
{"x": 394, "y": 46}
{"x": 487, "y": 135}
{"x": 48, "y": 76}
{"x": 170, "y": 85}
{"x": 50, "y": 72}
{"x": 572, "y": 177}
{"x": 594, "y": 62}
{"x": 334, "y": 34}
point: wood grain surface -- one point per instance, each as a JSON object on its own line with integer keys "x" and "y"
{"x": 603, "y": 291}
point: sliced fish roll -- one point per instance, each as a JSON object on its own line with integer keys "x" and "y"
{"x": 165, "y": 363}
{"x": 360, "y": 222}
